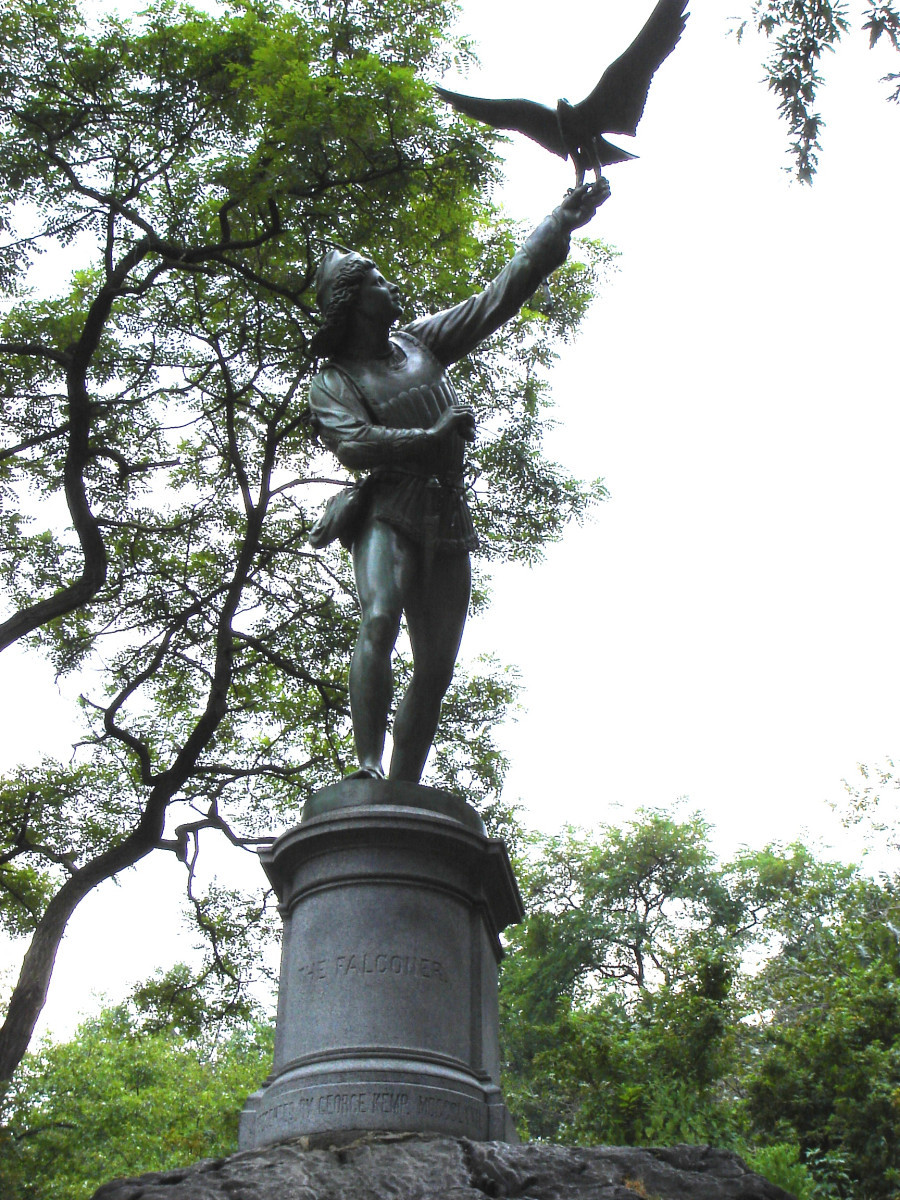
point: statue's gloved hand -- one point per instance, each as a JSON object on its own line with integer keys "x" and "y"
{"x": 458, "y": 418}
{"x": 582, "y": 202}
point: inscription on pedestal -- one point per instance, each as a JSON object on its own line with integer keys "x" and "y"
{"x": 440, "y": 1108}
{"x": 305, "y": 1110}
{"x": 372, "y": 963}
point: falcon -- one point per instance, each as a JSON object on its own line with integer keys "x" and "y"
{"x": 616, "y": 104}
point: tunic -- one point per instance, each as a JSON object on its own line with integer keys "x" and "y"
{"x": 374, "y": 414}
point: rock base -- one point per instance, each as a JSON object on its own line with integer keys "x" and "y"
{"x": 422, "y": 1167}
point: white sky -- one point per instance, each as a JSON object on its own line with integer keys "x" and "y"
{"x": 725, "y": 628}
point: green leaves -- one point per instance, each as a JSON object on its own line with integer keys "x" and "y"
{"x": 126, "y": 1095}
{"x": 827, "y": 1066}
{"x": 654, "y": 994}
{"x": 617, "y": 986}
{"x": 802, "y": 32}
{"x": 882, "y": 18}
{"x": 48, "y": 832}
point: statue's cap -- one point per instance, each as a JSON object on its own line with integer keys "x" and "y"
{"x": 330, "y": 270}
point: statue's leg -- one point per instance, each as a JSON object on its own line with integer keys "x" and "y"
{"x": 436, "y": 611}
{"x": 383, "y": 561}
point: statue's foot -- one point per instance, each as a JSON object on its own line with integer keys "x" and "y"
{"x": 366, "y": 773}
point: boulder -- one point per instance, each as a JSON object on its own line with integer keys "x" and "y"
{"x": 429, "y": 1167}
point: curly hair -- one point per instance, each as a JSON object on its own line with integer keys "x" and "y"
{"x": 328, "y": 338}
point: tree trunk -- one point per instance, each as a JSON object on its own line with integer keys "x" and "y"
{"x": 30, "y": 994}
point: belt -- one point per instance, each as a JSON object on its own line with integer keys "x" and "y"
{"x": 454, "y": 481}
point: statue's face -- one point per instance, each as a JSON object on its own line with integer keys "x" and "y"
{"x": 377, "y": 299}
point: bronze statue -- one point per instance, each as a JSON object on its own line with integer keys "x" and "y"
{"x": 383, "y": 403}
{"x": 616, "y": 104}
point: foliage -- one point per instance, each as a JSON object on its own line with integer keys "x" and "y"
{"x": 654, "y": 994}
{"x": 616, "y": 991}
{"x": 137, "y": 1088}
{"x": 781, "y": 1165}
{"x": 875, "y": 805}
{"x": 167, "y": 186}
{"x": 802, "y": 32}
{"x": 827, "y": 1066}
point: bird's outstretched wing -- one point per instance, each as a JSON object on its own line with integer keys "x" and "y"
{"x": 616, "y": 104}
{"x": 536, "y": 121}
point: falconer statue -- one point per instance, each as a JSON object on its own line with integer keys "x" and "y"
{"x": 384, "y": 403}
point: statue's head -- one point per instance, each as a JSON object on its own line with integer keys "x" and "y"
{"x": 338, "y": 280}
{"x": 338, "y": 267}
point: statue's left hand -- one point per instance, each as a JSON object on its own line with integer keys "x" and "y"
{"x": 582, "y": 202}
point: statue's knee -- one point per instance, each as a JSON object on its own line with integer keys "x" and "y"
{"x": 380, "y": 630}
{"x": 436, "y": 679}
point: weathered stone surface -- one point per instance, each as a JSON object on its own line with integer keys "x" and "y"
{"x": 424, "y": 1167}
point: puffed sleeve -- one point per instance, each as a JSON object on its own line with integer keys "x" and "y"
{"x": 451, "y": 334}
{"x": 347, "y": 429}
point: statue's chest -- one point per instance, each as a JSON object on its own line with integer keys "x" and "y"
{"x": 408, "y": 393}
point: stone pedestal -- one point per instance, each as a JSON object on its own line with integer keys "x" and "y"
{"x": 393, "y": 901}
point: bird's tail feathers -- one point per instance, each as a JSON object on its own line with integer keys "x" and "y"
{"x": 608, "y": 153}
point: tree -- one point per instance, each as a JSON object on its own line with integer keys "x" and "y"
{"x": 140, "y": 1087}
{"x": 656, "y": 994}
{"x": 616, "y": 992}
{"x": 160, "y": 473}
{"x": 802, "y": 31}
{"x": 824, "y": 1066}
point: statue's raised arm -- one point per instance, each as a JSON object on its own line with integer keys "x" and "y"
{"x": 452, "y": 334}
{"x": 383, "y": 402}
